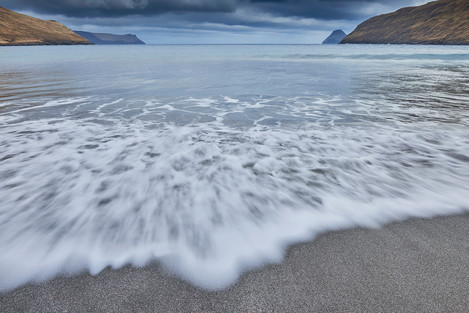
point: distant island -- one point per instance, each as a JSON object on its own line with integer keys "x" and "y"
{"x": 335, "y": 38}
{"x": 443, "y": 22}
{"x": 22, "y": 30}
{"x": 110, "y": 39}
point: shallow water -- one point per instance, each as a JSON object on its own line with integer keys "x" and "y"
{"x": 213, "y": 159}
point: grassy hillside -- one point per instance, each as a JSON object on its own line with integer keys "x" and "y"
{"x": 19, "y": 29}
{"x": 438, "y": 22}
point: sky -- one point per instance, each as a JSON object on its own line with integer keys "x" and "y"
{"x": 212, "y": 21}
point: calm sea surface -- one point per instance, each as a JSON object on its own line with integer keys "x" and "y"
{"x": 213, "y": 159}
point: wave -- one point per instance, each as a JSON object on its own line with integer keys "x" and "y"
{"x": 209, "y": 199}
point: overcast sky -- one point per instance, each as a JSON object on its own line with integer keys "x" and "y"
{"x": 212, "y": 21}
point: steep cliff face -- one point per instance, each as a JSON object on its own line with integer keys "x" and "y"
{"x": 439, "y": 22}
{"x": 110, "y": 39}
{"x": 334, "y": 38}
{"x": 23, "y": 30}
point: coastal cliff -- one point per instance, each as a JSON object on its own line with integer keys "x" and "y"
{"x": 110, "y": 39}
{"x": 443, "y": 22}
{"x": 22, "y": 30}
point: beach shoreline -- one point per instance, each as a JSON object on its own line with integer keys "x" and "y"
{"x": 413, "y": 265}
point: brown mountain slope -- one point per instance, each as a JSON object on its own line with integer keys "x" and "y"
{"x": 443, "y": 22}
{"x": 19, "y": 29}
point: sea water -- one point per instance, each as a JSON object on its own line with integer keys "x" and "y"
{"x": 211, "y": 160}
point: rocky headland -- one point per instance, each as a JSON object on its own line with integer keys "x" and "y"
{"x": 335, "y": 37}
{"x": 110, "y": 39}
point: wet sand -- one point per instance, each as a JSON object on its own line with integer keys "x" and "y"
{"x": 416, "y": 265}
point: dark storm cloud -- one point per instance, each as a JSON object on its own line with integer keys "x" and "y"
{"x": 313, "y": 9}
{"x": 104, "y": 8}
{"x": 319, "y": 9}
{"x": 322, "y": 9}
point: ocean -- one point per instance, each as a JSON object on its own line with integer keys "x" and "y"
{"x": 212, "y": 159}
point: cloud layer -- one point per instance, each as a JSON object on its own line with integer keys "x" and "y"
{"x": 93, "y": 8}
{"x": 222, "y": 16}
{"x": 322, "y": 9}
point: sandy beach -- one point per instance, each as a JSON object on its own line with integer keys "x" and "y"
{"x": 415, "y": 265}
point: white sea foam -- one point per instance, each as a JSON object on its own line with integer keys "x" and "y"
{"x": 210, "y": 200}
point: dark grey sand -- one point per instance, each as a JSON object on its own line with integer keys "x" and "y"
{"x": 416, "y": 265}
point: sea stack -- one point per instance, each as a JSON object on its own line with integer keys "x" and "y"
{"x": 443, "y": 22}
{"x": 335, "y": 37}
{"x": 22, "y": 30}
